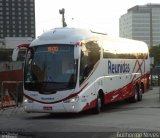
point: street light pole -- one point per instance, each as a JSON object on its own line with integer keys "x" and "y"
{"x": 151, "y": 31}
{"x": 62, "y": 11}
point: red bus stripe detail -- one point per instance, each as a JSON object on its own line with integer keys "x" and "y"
{"x": 68, "y": 97}
{"x": 116, "y": 95}
{"x": 139, "y": 68}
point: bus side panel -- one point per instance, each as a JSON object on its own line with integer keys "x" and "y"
{"x": 119, "y": 86}
{"x": 119, "y": 94}
{"x": 116, "y": 86}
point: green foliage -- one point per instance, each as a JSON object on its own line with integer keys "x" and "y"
{"x": 155, "y": 52}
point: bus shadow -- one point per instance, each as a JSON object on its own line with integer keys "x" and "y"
{"x": 112, "y": 107}
{"x": 72, "y": 116}
{"x": 117, "y": 106}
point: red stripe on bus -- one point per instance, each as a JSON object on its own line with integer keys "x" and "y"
{"x": 68, "y": 97}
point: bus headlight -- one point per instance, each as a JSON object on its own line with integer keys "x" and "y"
{"x": 72, "y": 100}
{"x": 26, "y": 100}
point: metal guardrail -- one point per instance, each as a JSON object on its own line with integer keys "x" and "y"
{"x": 11, "y": 93}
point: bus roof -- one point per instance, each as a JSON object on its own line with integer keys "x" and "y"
{"x": 65, "y": 35}
{"x": 62, "y": 36}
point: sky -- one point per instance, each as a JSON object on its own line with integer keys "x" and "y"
{"x": 98, "y": 15}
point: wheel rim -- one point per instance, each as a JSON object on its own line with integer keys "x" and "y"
{"x": 99, "y": 104}
{"x": 136, "y": 94}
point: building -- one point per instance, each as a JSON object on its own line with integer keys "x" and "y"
{"x": 17, "y": 26}
{"x": 12, "y": 42}
{"x": 141, "y": 23}
{"x": 17, "y": 18}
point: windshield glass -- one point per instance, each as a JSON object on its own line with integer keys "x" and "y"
{"x": 50, "y": 68}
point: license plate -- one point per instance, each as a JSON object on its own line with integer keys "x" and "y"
{"x": 47, "y": 108}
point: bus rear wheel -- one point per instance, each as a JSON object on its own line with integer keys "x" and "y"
{"x": 140, "y": 94}
{"x": 137, "y": 95}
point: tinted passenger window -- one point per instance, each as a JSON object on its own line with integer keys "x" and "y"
{"x": 90, "y": 54}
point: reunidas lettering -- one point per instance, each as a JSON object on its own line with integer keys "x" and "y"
{"x": 47, "y": 98}
{"x": 118, "y": 68}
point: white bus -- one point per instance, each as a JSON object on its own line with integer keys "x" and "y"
{"x": 71, "y": 70}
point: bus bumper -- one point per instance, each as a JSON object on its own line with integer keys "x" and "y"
{"x": 61, "y": 107}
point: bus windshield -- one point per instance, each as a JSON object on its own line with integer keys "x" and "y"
{"x": 49, "y": 68}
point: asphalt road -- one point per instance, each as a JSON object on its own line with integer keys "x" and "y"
{"x": 118, "y": 117}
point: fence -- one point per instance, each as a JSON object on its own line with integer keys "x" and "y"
{"x": 11, "y": 93}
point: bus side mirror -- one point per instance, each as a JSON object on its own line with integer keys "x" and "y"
{"x": 15, "y": 54}
{"x": 76, "y": 52}
{"x": 16, "y": 51}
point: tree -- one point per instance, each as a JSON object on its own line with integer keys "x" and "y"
{"x": 155, "y": 52}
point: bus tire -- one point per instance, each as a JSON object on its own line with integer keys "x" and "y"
{"x": 142, "y": 88}
{"x": 98, "y": 107}
{"x": 134, "y": 98}
{"x": 140, "y": 94}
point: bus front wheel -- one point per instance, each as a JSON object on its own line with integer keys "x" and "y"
{"x": 98, "y": 105}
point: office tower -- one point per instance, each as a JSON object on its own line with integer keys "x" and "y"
{"x": 141, "y": 23}
{"x": 17, "y": 18}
